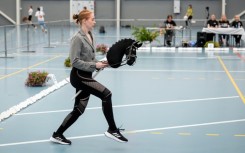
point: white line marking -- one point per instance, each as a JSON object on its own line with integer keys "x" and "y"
{"x": 157, "y": 70}
{"x": 134, "y": 131}
{"x": 186, "y": 57}
{"x": 133, "y": 105}
{"x": 190, "y": 125}
{"x": 132, "y": 70}
{"x": 139, "y": 57}
{"x": 46, "y": 68}
{"x": 40, "y": 54}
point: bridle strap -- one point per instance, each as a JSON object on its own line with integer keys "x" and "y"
{"x": 130, "y": 48}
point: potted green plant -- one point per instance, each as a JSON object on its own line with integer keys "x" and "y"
{"x": 67, "y": 62}
{"x": 144, "y": 35}
{"x": 102, "y": 48}
{"x": 36, "y": 78}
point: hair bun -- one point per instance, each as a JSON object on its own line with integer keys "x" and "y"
{"x": 75, "y": 16}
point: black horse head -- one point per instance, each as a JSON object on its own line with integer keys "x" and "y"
{"x": 123, "y": 47}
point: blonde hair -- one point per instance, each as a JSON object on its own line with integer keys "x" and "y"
{"x": 84, "y": 14}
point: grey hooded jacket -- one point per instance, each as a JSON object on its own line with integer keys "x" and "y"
{"x": 82, "y": 52}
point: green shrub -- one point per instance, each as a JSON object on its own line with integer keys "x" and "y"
{"x": 67, "y": 62}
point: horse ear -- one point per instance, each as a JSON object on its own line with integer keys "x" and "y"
{"x": 138, "y": 44}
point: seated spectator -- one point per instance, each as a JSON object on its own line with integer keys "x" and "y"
{"x": 212, "y": 23}
{"x": 169, "y": 26}
{"x": 237, "y": 24}
{"x": 224, "y": 23}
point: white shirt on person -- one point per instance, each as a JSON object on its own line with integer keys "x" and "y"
{"x": 40, "y": 15}
{"x": 30, "y": 11}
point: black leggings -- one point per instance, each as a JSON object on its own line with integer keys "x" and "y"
{"x": 29, "y": 18}
{"x": 237, "y": 38}
{"x": 83, "y": 81}
{"x": 188, "y": 20}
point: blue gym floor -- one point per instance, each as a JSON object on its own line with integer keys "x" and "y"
{"x": 169, "y": 101}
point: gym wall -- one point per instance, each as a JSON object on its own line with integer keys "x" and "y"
{"x": 8, "y": 7}
{"x": 130, "y": 9}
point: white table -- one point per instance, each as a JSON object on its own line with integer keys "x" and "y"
{"x": 228, "y": 31}
{"x": 158, "y": 28}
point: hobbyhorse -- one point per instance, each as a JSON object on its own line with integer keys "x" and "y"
{"x": 123, "y": 47}
{"x": 116, "y": 53}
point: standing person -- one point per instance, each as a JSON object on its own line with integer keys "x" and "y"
{"x": 212, "y": 23}
{"x": 40, "y": 18}
{"x": 30, "y": 12}
{"x": 169, "y": 25}
{"x": 189, "y": 14}
{"x": 224, "y": 23}
{"x": 82, "y": 55}
{"x": 237, "y": 24}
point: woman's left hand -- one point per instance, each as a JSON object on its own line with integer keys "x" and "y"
{"x": 101, "y": 65}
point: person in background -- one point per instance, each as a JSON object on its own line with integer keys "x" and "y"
{"x": 237, "y": 24}
{"x": 212, "y": 23}
{"x": 189, "y": 14}
{"x": 224, "y": 23}
{"x": 40, "y": 18}
{"x": 169, "y": 26}
{"x": 30, "y": 12}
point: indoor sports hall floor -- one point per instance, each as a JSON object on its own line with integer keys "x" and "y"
{"x": 169, "y": 101}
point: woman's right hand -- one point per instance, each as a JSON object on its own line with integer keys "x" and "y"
{"x": 101, "y": 65}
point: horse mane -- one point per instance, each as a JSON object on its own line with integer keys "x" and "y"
{"x": 117, "y": 51}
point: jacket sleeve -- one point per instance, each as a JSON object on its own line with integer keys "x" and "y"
{"x": 75, "y": 53}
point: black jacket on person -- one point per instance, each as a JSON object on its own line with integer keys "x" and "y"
{"x": 169, "y": 24}
{"x": 212, "y": 23}
{"x": 224, "y": 24}
{"x": 237, "y": 24}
